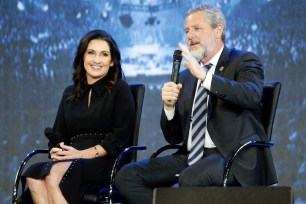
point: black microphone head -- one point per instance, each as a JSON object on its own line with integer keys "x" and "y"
{"x": 177, "y": 58}
{"x": 177, "y": 55}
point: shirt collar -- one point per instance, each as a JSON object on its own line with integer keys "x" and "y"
{"x": 215, "y": 59}
{"x": 98, "y": 86}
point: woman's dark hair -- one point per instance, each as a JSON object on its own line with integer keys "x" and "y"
{"x": 79, "y": 73}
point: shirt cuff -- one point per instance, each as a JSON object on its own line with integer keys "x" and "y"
{"x": 169, "y": 113}
{"x": 207, "y": 81}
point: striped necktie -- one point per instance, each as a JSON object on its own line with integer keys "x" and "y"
{"x": 198, "y": 127}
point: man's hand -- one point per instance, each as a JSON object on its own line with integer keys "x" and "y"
{"x": 170, "y": 93}
{"x": 192, "y": 64}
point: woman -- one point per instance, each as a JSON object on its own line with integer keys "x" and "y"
{"x": 93, "y": 124}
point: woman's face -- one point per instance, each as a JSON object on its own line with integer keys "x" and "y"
{"x": 97, "y": 60}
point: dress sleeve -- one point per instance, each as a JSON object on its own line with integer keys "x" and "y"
{"x": 122, "y": 120}
{"x": 59, "y": 127}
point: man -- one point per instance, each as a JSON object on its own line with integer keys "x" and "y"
{"x": 233, "y": 82}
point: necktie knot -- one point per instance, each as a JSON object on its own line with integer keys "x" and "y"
{"x": 208, "y": 66}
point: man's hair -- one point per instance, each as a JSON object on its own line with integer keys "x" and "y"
{"x": 214, "y": 15}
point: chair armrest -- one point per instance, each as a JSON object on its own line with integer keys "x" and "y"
{"x": 241, "y": 148}
{"x": 21, "y": 168}
{"x": 164, "y": 148}
{"x": 116, "y": 165}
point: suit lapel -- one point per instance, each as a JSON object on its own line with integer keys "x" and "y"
{"x": 223, "y": 61}
{"x": 220, "y": 69}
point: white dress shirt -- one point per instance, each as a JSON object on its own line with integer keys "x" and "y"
{"x": 208, "y": 143}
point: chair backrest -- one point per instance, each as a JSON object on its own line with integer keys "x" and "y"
{"x": 138, "y": 91}
{"x": 270, "y": 97}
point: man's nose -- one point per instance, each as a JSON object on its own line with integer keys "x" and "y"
{"x": 190, "y": 35}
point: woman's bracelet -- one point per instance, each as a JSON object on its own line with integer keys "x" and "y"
{"x": 96, "y": 150}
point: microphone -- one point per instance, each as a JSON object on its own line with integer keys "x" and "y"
{"x": 49, "y": 133}
{"x": 177, "y": 58}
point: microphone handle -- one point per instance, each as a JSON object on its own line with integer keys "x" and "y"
{"x": 175, "y": 71}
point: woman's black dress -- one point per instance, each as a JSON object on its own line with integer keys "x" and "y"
{"x": 108, "y": 121}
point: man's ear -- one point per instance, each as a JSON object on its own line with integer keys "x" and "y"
{"x": 219, "y": 30}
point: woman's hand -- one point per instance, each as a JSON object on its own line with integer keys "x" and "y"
{"x": 64, "y": 152}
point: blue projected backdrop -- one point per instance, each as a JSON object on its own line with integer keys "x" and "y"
{"x": 38, "y": 43}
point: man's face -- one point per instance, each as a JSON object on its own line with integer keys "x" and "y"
{"x": 201, "y": 38}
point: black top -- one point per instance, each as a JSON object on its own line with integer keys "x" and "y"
{"x": 112, "y": 112}
{"x": 108, "y": 121}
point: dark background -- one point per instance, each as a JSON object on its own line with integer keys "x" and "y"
{"x": 38, "y": 43}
